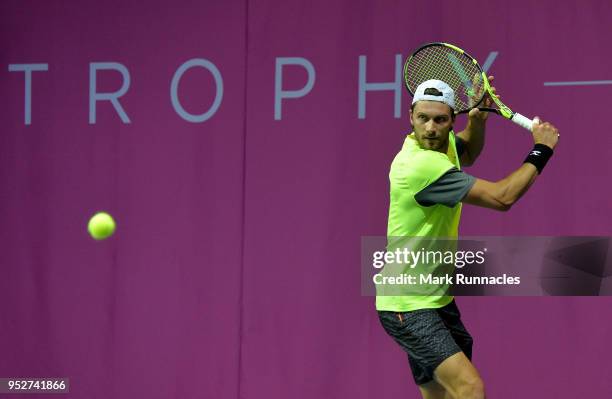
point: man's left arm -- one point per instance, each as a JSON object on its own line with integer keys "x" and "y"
{"x": 473, "y": 136}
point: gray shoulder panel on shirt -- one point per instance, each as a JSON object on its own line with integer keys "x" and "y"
{"x": 448, "y": 190}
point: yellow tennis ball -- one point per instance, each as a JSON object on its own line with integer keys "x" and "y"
{"x": 101, "y": 226}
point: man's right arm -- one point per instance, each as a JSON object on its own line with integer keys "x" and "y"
{"x": 502, "y": 194}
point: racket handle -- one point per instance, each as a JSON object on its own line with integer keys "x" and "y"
{"x": 522, "y": 121}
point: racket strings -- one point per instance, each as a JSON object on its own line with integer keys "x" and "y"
{"x": 452, "y": 67}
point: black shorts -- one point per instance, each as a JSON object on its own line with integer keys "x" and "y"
{"x": 429, "y": 336}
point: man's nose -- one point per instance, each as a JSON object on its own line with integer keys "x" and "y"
{"x": 429, "y": 126}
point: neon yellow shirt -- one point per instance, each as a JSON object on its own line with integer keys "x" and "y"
{"x": 413, "y": 169}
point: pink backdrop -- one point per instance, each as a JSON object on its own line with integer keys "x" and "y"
{"x": 234, "y": 272}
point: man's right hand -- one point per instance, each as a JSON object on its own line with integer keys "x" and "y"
{"x": 545, "y": 133}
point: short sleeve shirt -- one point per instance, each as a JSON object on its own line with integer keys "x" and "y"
{"x": 450, "y": 188}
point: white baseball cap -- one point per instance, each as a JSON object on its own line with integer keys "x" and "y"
{"x": 447, "y": 97}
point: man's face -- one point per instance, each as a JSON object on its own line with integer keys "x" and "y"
{"x": 431, "y": 121}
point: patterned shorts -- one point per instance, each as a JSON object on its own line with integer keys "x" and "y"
{"x": 429, "y": 336}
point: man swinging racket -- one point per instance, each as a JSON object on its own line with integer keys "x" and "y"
{"x": 427, "y": 190}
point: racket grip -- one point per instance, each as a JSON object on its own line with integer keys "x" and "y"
{"x": 522, "y": 121}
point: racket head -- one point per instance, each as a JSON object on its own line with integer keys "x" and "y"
{"x": 452, "y": 65}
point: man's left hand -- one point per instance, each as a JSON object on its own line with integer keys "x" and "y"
{"x": 487, "y": 102}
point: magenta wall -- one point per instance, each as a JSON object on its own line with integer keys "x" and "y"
{"x": 234, "y": 272}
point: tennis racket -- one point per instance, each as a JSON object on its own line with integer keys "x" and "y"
{"x": 462, "y": 73}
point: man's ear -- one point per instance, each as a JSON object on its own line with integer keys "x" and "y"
{"x": 410, "y": 119}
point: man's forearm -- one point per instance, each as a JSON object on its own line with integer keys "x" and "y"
{"x": 473, "y": 137}
{"x": 502, "y": 194}
{"x": 513, "y": 186}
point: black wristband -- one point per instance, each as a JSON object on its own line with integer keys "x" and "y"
{"x": 539, "y": 155}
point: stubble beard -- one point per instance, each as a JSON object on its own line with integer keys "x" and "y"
{"x": 434, "y": 145}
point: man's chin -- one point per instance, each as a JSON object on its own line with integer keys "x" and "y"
{"x": 431, "y": 144}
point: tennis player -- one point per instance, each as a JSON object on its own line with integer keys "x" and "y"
{"x": 427, "y": 190}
